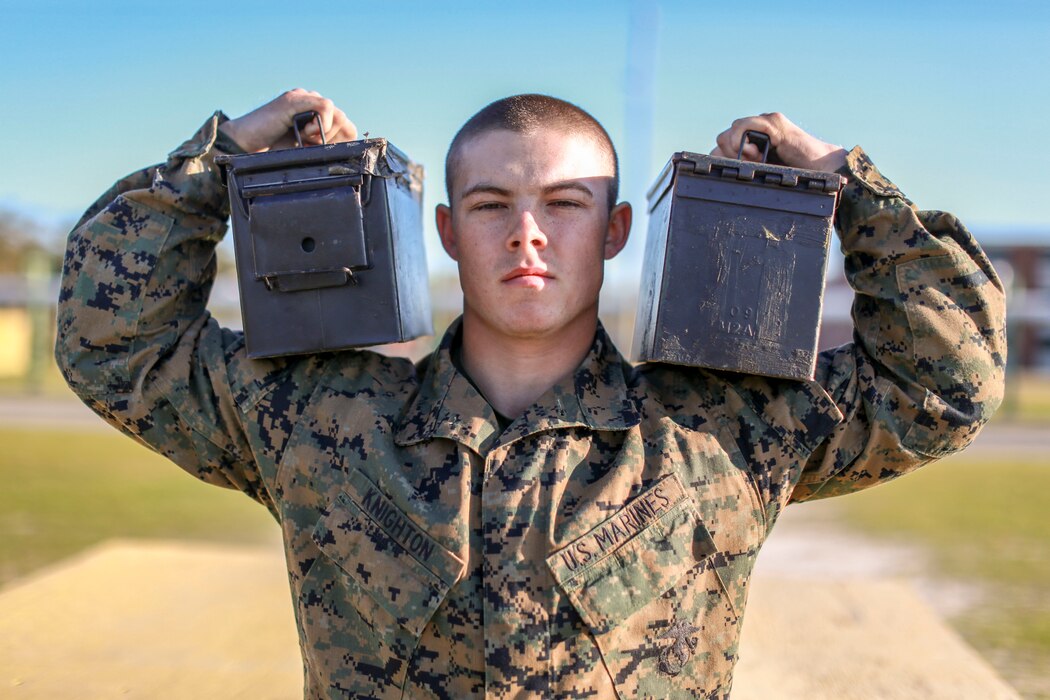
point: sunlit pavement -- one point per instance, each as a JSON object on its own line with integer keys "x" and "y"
{"x": 171, "y": 620}
{"x": 152, "y": 620}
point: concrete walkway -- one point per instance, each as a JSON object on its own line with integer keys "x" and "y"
{"x": 55, "y": 411}
{"x": 178, "y": 621}
{"x": 48, "y": 412}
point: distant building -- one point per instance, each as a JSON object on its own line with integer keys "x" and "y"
{"x": 26, "y": 323}
{"x": 15, "y": 343}
{"x": 1022, "y": 260}
{"x": 836, "y": 321}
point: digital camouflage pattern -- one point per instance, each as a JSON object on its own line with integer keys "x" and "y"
{"x": 602, "y": 544}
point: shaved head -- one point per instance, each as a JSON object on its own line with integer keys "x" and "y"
{"x": 526, "y": 114}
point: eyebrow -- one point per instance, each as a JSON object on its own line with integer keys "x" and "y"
{"x": 569, "y": 185}
{"x": 485, "y": 188}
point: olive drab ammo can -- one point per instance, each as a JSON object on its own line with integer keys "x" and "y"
{"x": 734, "y": 266}
{"x": 329, "y": 246}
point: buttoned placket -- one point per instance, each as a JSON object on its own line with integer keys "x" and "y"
{"x": 517, "y": 588}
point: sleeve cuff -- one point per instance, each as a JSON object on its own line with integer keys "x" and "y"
{"x": 191, "y": 167}
{"x": 859, "y": 169}
{"x": 202, "y": 141}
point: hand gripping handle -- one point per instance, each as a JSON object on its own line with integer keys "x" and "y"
{"x": 762, "y": 140}
{"x": 301, "y": 119}
{"x": 757, "y": 138}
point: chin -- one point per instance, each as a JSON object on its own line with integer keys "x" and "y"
{"x": 532, "y": 321}
{"x": 518, "y": 321}
{"x": 541, "y": 316}
{"x": 530, "y": 325}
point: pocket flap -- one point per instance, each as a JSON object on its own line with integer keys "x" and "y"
{"x": 609, "y": 577}
{"x": 390, "y": 557}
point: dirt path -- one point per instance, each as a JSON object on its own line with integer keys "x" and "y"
{"x": 810, "y": 541}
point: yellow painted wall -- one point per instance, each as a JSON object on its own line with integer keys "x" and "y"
{"x": 15, "y": 334}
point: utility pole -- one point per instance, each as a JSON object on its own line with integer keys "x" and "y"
{"x": 620, "y": 293}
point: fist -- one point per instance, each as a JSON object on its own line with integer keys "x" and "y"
{"x": 270, "y": 127}
{"x": 794, "y": 147}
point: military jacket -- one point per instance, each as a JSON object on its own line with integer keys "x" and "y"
{"x": 598, "y": 547}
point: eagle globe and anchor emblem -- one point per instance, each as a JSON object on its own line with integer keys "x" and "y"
{"x": 674, "y": 657}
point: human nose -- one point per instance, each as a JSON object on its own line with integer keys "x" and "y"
{"x": 526, "y": 234}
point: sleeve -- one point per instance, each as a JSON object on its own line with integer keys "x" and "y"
{"x": 134, "y": 339}
{"x": 926, "y": 368}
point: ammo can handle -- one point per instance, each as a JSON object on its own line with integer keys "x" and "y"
{"x": 754, "y": 137}
{"x": 304, "y": 117}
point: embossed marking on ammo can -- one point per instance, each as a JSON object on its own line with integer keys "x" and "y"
{"x": 329, "y": 246}
{"x": 734, "y": 266}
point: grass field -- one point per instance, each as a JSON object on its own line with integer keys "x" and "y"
{"x": 64, "y": 491}
{"x": 1027, "y": 399}
{"x": 985, "y": 522}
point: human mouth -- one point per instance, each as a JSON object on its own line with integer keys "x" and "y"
{"x": 536, "y": 277}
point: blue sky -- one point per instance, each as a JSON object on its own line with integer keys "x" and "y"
{"x": 950, "y": 99}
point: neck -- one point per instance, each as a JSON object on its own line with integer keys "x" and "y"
{"x": 513, "y": 372}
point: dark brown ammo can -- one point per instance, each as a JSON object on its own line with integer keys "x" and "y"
{"x": 734, "y": 266}
{"x": 329, "y": 247}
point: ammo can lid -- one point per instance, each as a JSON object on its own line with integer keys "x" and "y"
{"x": 376, "y": 157}
{"x": 745, "y": 172}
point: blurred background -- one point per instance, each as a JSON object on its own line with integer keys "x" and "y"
{"x": 949, "y": 99}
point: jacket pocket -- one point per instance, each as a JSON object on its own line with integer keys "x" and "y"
{"x": 368, "y": 597}
{"x": 653, "y": 601}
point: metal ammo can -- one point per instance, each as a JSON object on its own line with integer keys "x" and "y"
{"x": 734, "y": 267}
{"x": 329, "y": 246}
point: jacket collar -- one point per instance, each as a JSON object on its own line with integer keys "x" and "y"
{"x": 448, "y": 405}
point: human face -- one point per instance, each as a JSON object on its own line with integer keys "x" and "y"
{"x": 530, "y": 227}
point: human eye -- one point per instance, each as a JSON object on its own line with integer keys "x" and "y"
{"x": 488, "y": 206}
{"x": 566, "y": 204}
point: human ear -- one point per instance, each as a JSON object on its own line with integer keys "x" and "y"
{"x": 618, "y": 230}
{"x": 443, "y": 219}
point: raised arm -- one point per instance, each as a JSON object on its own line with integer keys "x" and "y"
{"x": 134, "y": 339}
{"x": 926, "y": 368}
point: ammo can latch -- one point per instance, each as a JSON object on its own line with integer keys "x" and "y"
{"x": 329, "y": 245}
{"x": 308, "y": 232}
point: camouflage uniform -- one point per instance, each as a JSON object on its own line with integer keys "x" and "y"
{"x": 599, "y": 546}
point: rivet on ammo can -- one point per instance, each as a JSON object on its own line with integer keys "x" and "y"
{"x": 329, "y": 246}
{"x": 735, "y": 258}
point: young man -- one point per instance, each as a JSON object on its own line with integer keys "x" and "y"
{"x": 523, "y": 513}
